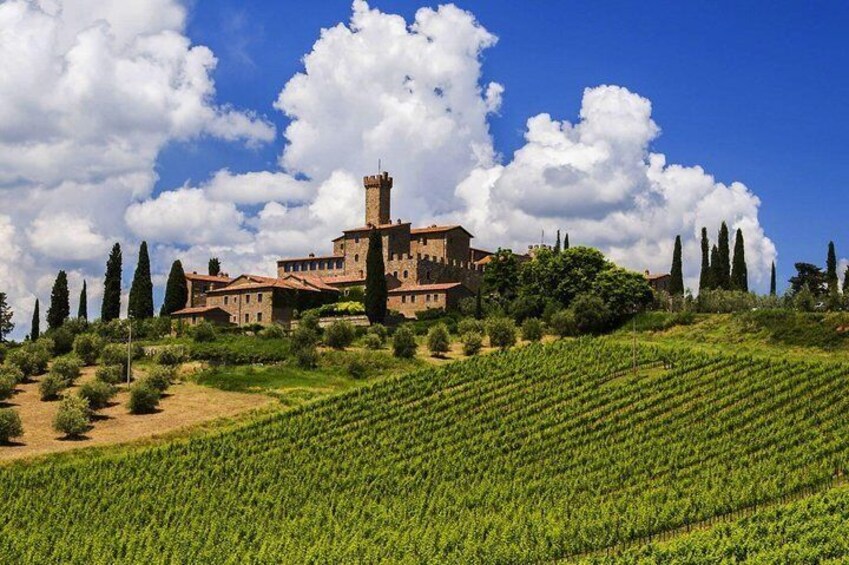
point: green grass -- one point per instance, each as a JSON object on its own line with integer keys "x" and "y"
{"x": 532, "y": 455}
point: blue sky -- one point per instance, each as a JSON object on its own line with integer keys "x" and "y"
{"x": 752, "y": 92}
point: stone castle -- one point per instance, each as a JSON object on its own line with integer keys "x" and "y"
{"x": 431, "y": 267}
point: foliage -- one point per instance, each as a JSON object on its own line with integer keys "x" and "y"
{"x": 51, "y": 386}
{"x": 72, "y": 418}
{"x": 724, "y": 301}
{"x": 623, "y": 292}
{"x": 676, "y": 283}
{"x": 722, "y": 268}
{"x": 438, "y": 340}
{"x": 501, "y": 332}
{"x": 468, "y": 325}
{"x": 35, "y": 327}
{"x": 304, "y": 341}
{"x": 12, "y": 372}
{"x": 336, "y": 309}
{"x": 10, "y": 425}
{"x": 563, "y": 323}
{"x": 8, "y": 383}
{"x": 564, "y": 276}
{"x": 111, "y": 307}
{"x": 240, "y": 350}
{"x": 339, "y": 334}
{"x": 140, "y": 302}
{"x": 82, "y": 310}
{"x": 62, "y": 338}
{"x": 171, "y": 355}
{"x": 705, "y": 275}
{"x": 60, "y": 307}
{"x": 357, "y": 369}
{"x": 114, "y": 354}
{"x": 591, "y": 314}
{"x": 31, "y": 358}
{"x": 144, "y": 398}
{"x": 214, "y": 267}
{"x": 97, "y": 394}
{"x": 274, "y": 331}
{"x": 532, "y": 329}
{"x": 88, "y": 348}
{"x": 110, "y": 374}
{"x": 204, "y": 332}
{"x": 404, "y": 343}
{"x": 6, "y": 314}
{"x": 379, "y": 330}
{"x": 309, "y": 321}
{"x": 430, "y": 314}
{"x": 376, "y": 293}
{"x": 501, "y": 277}
{"x": 472, "y": 343}
{"x": 68, "y": 368}
{"x": 160, "y": 378}
{"x": 176, "y": 290}
{"x": 527, "y": 306}
{"x": 831, "y": 281}
{"x": 372, "y": 341}
{"x": 739, "y": 271}
{"x": 772, "y": 287}
{"x": 659, "y": 321}
{"x": 810, "y": 277}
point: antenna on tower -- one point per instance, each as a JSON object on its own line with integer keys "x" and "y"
{"x": 378, "y": 167}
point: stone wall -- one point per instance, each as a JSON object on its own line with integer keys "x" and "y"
{"x": 248, "y": 307}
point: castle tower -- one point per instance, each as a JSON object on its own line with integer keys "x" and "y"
{"x": 377, "y": 198}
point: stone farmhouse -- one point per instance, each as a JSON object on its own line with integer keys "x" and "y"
{"x": 425, "y": 267}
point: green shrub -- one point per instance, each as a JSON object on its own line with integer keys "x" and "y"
{"x": 339, "y": 335}
{"x": 241, "y": 350}
{"x": 501, "y": 332}
{"x": 373, "y": 341}
{"x": 12, "y": 372}
{"x": 171, "y": 355}
{"x": 335, "y": 309}
{"x": 379, "y": 330}
{"x": 471, "y": 325}
{"x": 88, "y": 347}
{"x": 404, "y": 343}
{"x": 45, "y": 344}
{"x": 204, "y": 332}
{"x": 51, "y": 386}
{"x": 72, "y": 418}
{"x": 532, "y": 329}
{"x": 8, "y": 382}
{"x": 357, "y": 369}
{"x": 114, "y": 354}
{"x": 563, "y": 323}
{"x": 10, "y": 425}
{"x": 273, "y": 331}
{"x": 472, "y": 343}
{"x": 309, "y": 321}
{"x": 430, "y": 314}
{"x": 68, "y": 368}
{"x": 31, "y": 359}
{"x": 97, "y": 394}
{"x": 2, "y": 352}
{"x": 144, "y": 398}
{"x": 110, "y": 374}
{"x": 303, "y": 347}
{"x": 160, "y": 378}
{"x": 438, "y": 340}
{"x": 591, "y": 314}
{"x": 63, "y": 341}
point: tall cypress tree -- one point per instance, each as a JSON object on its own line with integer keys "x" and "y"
{"x": 566, "y": 241}
{"x": 676, "y": 285}
{"x": 35, "y": 328}
{"x": 111, "y": 308}
{"x": 557, "y": 243}
{"x": 739, "y": 271}
{"x": 772, "y": 289}
{"x": 831, "y": 269}
{"x": 141, "y": 292}
{"x": 82, "y": 312}
{"x": 723, "y": 269}
{"x": 214, "y": 267}
{"x": 714, "y": 268}
{"x": 705, "y": 274}
{"x": 60, "y": 304}
{"x": 376, "y": 290}
{"x": 176, "y": 291}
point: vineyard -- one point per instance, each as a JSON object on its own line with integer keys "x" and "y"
{"x": 541, "y": 453}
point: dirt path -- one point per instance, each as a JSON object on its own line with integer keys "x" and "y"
{"x": 185, "y": 404}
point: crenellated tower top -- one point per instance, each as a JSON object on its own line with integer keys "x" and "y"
{"x": 378, "y": 189}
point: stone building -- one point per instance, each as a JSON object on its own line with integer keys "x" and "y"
{"x": 658, "y": 281}
{"x": 426, "y": 267}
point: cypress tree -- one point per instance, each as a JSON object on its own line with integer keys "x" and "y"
{"x": 566, "y": 241}
{"x": 6, "y": 315}
{"x": 35, "y": 331}
{"x": 739, "y": 271}
{"x": 60, "y": 304}
{"x": 723, "y": 269}
{"x": 831, "y": 269}
{"x": 676, "y": 285}
{"x": 141, "y": 291}
{"x": 82, "y": 312}
{"x": 772, "y": 289}
{"x": 705, "y": 274}
{"x": 376, "y": 291}
{"x": 479, "y": 304}
{"x": 176, "y": 291}
{"x": 846, "y": 281}
{"x": 557, "y": 243}
{"x": 714, "y": 268}
{"x": 111, "y": 308}
{"x": 214, "y": 267}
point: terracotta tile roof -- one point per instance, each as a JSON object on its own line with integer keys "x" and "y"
{"x": 439, "y": 229}
{"x": 196, "y": 310}
{"x": 257, "y": 282}
{"x": 308, "y": 281}
{"x": 425, "y": 287}
{"x": 380, "y": 227}
{"x": 208, "y": 278}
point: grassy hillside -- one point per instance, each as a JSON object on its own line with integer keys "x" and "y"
{"x": 536, "y": 454}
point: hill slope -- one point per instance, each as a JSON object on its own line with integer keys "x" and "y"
{"x": 535, "y": 454}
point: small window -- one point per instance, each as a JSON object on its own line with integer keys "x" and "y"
{"x": 412, "y": 298}
{"x": 424, "y": 241}
{"x": 427, "y": 298}
{"x": 247, "y": 318}
{"x": 356, "y": 258}
{"x": 295, "y": 267}
{"x": 339, "y": 264}
{"x": 226, "y": 300}
{"x": 427, "y": 275}
{"x": 287, "y": 267}
{"x": 312, "y": 266}
{"x": 341, "y": 246}
{"x": 259, "y": 316}
{"x": 194, "y": 321}
{"x": 403, "y": 299}
{"x": 247, "y": 299}
{"x": 356, "y": 239}
{"x": 259, "y": 297}
{"x": 395, "y": 274}
{"x": 406, "y": 274}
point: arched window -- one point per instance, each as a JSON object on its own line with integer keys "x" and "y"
{"x": 356, "y": 258}
{"x": 406, "y": 274}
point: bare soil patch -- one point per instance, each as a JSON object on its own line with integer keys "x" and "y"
{"x": 184, "y": 405}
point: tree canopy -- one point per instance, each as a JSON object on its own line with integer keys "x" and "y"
{"x": 739, "y": 271}
{"x": 6, "y": 325}
{"x": 60, "y": 307}
{"x": 676, "y": 284}
{"x": 140, "y": 304}
{"x": 82, "y": 311}
{"x": 111, "y": 308}
{"x": 214, "y": 267}
{"x": 176, "y": 291}
{"x": 810, "y": 277}
{"x": 376, "y": 293}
